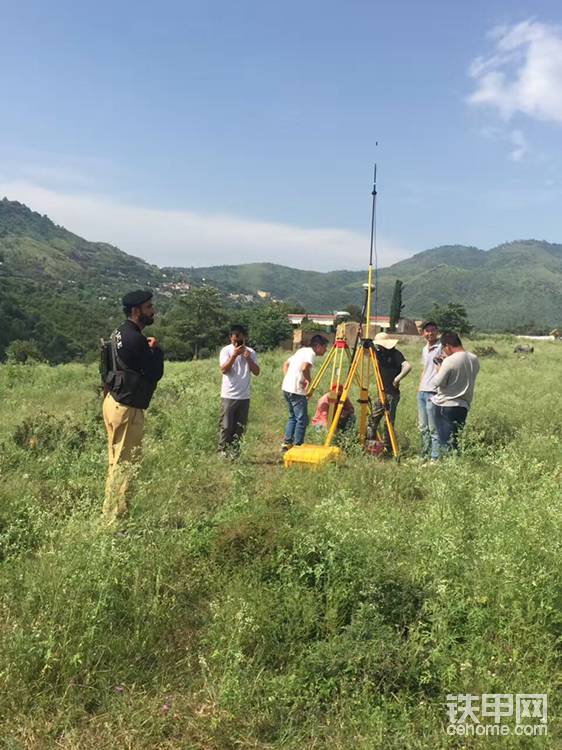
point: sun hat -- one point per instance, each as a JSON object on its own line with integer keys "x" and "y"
{"x": 383, "y": 339}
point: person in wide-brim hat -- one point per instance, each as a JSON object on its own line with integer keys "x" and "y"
{"x": 383, "y": 339}
{"x": 393, "y": 366}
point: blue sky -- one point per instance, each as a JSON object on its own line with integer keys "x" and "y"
{"x": 197, "y": 133}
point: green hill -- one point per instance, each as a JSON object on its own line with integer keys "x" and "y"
{"x": 56, "y": 287}
{"x": 317, "y": 291}
{"x": 62, "y": 290}
{"x": 515, "y": 285}
{"x": 33, "y": 246}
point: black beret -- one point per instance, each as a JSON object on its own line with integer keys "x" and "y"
{"x": 133, "y": 299}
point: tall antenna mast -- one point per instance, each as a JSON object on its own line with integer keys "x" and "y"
{"x": 372, "y": 253}
{"x": 364, "y": 364}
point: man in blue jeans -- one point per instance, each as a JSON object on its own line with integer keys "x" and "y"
{"x": 455, "y": 390}
{"x": 298, "y": 375}
{"x": 427, "y": 411}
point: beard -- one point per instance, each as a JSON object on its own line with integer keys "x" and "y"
{"x": 146, "y": 320}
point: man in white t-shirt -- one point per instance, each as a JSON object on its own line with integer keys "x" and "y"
{"x": 455, "y": 389}
{"x": 298, "y": 375}
{"x": 238, "y": 363}
{"x": 427, "y": 410}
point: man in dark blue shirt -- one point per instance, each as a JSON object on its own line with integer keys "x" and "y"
{"x": 138, "y": 365}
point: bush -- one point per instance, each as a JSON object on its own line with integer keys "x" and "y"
{"x": 45, "y": 432}
{"x": 23, "y": 353}
{"x": 485, "y": 351}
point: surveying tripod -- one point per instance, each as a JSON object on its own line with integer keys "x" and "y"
{"x": 364, "y": 370}
{"x": 363, "y": 365}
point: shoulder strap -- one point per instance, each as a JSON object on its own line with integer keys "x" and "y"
{"x": 116, "y": 359}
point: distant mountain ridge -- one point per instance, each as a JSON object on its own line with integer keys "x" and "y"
{"x": 513, "y": 285}
{"x": 33, "y": 245}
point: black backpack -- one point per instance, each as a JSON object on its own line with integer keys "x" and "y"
{"x": 116, "y": 377}
{"x": 108, "y": 361}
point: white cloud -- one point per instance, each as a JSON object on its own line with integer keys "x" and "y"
{"x": 523, "y": 74}
{"x": 186, "y": 238}
{"x": 519, "y": 145}
{"x": 515, "y": 138}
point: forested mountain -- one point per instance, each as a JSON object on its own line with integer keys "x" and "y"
{"x": 63, "y": 291}
{"x": 33, "y": 246}
{"x": 513, "y": 286}
{"x": 57, "y": 288}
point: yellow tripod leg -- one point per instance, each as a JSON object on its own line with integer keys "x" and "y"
{"x": 343, "y": 398}
{"x": 335, "y": 381}
{"x": 357, "y": 378}
{"x": 382, "y": 398}
{"x": 363, "y": 398}
{"x": 334, "y": 364}
{"x": 324, "y": 366}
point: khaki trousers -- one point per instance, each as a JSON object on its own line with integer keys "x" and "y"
{"x": 125, "y": 427}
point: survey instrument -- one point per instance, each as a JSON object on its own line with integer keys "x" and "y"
{"x": 361, "y": 368}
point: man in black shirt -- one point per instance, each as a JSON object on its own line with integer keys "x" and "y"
{"x": 138, "y": 365}
{"x": 393, "y": 367}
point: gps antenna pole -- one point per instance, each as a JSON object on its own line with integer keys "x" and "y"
{"x": 371, "y": 250}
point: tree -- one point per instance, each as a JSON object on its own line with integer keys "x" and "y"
{"x": 294, "y": 306}
{"x": 452, "y": 317}
{"x": 354, "y": 313}
{"x": 268, "y": 325}
{"x": 197, "y": 322}
{"x": 23, "y": 353}
{"x": 396, "y": 305}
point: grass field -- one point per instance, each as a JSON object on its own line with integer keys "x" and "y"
{"x": 254, "y": 607}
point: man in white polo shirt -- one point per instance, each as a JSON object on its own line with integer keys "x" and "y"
{"x": 238, "y": 363}
{"x": 298, "y": 374}
{"x": 427, "y": 410}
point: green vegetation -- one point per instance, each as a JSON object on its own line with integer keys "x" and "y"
{"x": 198, "y": 324}
{"x": 396, "y": 306}
{"x": 316, "y": 291}
{"x": 58, "y": 290}
{"x": 451, "y": 317}
{"x": 23, "y": 352}
{"x": 355, "y": 313}
{"x": 267, "y": 324}
{"x": 195, "y": 325}
{"x": 516, "y": 286}
{"x": 254, "y": 607}
{"x": 35, "y": 248}
{"x": 60, "y": 293}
